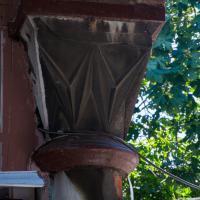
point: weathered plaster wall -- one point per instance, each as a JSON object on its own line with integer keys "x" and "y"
{"x": 18, "y": 137}
{"x": 19, "y": 124}
{"x": 8, "y": 9}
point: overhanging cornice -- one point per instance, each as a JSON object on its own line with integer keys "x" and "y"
{"x": 153, "y": 10}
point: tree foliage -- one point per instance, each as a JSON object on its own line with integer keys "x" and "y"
{"x": 166, "y": 124}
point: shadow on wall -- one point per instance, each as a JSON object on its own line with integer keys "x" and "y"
{"x": 63, "y": 188}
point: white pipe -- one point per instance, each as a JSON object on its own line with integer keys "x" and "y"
{"x": 131, "y": 188}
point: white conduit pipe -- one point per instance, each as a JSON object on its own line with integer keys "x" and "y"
{"x": 131, "y": 188}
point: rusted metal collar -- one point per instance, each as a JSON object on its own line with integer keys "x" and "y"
{"x": 77, "y": 150}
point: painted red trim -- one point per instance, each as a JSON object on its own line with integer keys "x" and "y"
{"x": 122, "y": 12}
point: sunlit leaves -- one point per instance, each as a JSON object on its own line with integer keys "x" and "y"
{"x": 166, "y": 126}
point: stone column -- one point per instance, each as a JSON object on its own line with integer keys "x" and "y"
{"x": 87, "y": 73}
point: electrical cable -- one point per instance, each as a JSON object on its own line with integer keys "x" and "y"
{"x": 131, "y": 147}
{"x": 131, "y": 188}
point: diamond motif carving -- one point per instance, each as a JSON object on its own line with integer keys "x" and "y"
{"x": 91, "y": 70}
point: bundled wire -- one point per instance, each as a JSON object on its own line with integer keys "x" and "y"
{"x": 131, "y": 147}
